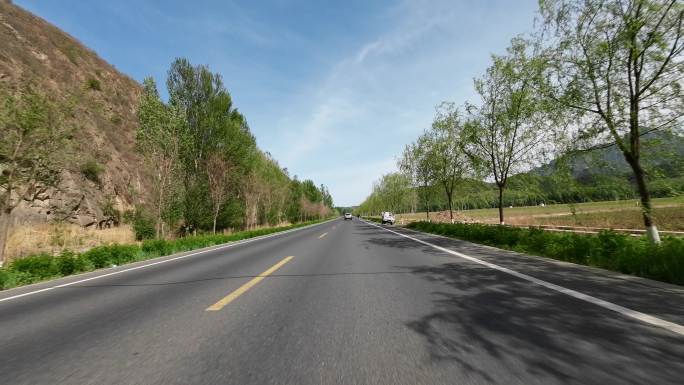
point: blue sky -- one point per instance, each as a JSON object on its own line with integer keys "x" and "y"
{"x": 333, "y": 90}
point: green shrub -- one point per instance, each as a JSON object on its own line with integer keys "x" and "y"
{"x": 608, "y": 249}
{"x": 69, "y": 263}
{"x": 34, "y": 267}
{"x": 143, "y": 227}
{"x": 7, "y": 279}
{"x": 91, "y": 170}
{"x": 157, "y": 247}
{"x": 121, "y": 254}
{"x": 93, "y": 84}
{"x": 97, "y": 256}
{"x": 104, "y": 256}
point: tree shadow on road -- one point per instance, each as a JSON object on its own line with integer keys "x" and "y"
{"x": 661, "y": 300}
{"x": 506, "y": 330}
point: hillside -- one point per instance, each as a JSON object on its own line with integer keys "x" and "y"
{"x": 32, "y": 51}
{"x": 662, "y": 153}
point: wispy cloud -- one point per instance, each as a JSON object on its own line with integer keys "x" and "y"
{"x": 379, "y": 96}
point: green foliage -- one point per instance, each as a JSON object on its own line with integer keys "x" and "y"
{"x": 608, "y": 250}
{"x": 93, "y": 84}
{"x": 91, "y": 170}
{"x": 391, "y": 193}
{"x": 69, "y": 263}
{"x": 157, "y": 246}
{"x": 39, "y": 267}
{"x": 143, "y": 226}
{"x": 209, "y": 173}
{"x": 105, "y": 256}
{"x": 109, "y": 210}
{"x": 33, "y": 144}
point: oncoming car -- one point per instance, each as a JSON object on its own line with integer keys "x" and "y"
{"x": 347, "y": 216}
{"x": 387, "y": 217}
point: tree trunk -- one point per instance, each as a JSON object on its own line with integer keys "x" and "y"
{"x": 4, "y": 231}
{"x": 501, "y": 214}
{"x": 646, "y": 209}
{"x": 216, "y": 212}
{"x": 427, "y": 202}
{"x": 160, "y": 204}
{"x": 451, "y": 209}
{"x": 159, "y": 221}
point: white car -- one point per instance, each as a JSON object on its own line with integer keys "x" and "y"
{"x": 347, "y": 216}
{"x": 387, "y": 217}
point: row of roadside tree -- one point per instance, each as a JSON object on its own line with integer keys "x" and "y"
{"x": 208, "y": 172}
{"x": 593, "y": 75}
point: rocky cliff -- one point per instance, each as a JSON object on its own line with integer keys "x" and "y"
{"x": 104, "y": 166}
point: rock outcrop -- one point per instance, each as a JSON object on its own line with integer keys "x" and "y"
{"x": 103, "y": 116}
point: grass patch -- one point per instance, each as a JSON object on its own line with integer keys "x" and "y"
{"x": 93, "y": 84}
{"x": 91, "y": 170}
{"x": 36, "y": 268}
{"x": 607, "y": 250}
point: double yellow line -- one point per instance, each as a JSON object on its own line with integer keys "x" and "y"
{"x": 242, "y": 289}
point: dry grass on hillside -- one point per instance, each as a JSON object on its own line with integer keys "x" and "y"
{"x": 53, "y": 238}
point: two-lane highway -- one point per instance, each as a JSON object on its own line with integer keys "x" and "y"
{"x": 344, "y": 302}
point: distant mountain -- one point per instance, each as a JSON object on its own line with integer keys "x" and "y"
{"x": 661, "y": 151}
{"x": 32, "y": 50}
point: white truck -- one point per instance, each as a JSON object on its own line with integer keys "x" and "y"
{"x": 387, "y": 217}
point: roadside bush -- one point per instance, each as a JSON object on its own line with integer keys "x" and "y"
{"x": 143, "y": 227}
{"x": 97, "y": 256}
{"x": 69, "y": 263}
{"x": 104, "y": 256}
{"x": 121, "y": 254}
{"x": 35, "y": 267}
{"x": 158, "y": 247}
{"x": 39, "y": 267}
{"x": 608, "y": 249}
{"x": 7, "y": 279}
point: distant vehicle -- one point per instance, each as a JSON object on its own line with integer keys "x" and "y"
{"x": 347, "y": 216}
{"x": 387, "y": 217}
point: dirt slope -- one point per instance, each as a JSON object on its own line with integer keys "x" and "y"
{"x": 104, "y": 117}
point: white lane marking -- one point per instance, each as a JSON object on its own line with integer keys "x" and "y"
{"x": 643, "y": 317}
{"x": 237, "y": 243}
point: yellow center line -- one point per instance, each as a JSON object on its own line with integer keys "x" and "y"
{"x": 242, "y": 289}
{"x": 322, "y": 235}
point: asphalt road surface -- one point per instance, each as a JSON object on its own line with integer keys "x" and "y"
{"x": 344, "y": 302}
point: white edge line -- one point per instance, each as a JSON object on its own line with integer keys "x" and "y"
{"x": 225, "y": 246}
{"x": 643, "y": 317}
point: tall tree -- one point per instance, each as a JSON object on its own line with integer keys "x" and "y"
{"x": 159, "y": 138}
{"x": 219, "y": 172}
{"x": 33, "y": 147}
{"x": 450, "y": 162}
{"x": 618, "y": 65}
{"x": 213, "y": 125}
{"x": 510, "y": 131}
{"x": 416, "y": 163}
